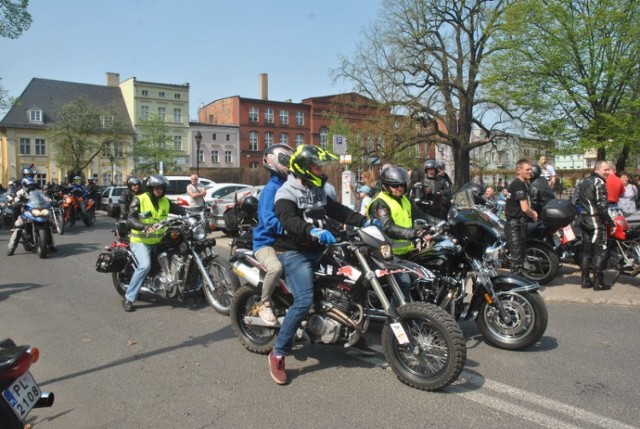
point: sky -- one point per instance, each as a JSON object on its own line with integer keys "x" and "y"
{"x": 219, "y": 47}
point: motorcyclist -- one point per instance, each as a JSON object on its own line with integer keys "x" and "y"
{"x": 28, "y": 184}
{"x": 434, "y": 193}
{"x": 539, "y": 190}
{"x": 276, "y": 161}
{"x": 78, "y": 190}
{"x": 93, "y": 191}
{"x": 134, "y": 187}
{"x": 145, "y": 211}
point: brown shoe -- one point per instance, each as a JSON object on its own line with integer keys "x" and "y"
{"x": 276, "y": 368}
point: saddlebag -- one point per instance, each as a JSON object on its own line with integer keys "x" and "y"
{"x": 558, "y": 213}
{"x": 111, "y": 261}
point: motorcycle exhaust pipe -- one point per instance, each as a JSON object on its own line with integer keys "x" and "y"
{"x": 45, "y": 400}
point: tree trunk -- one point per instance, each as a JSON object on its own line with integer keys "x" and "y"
{"x": 462, "y": 175}
{"x": 622, "y": 159}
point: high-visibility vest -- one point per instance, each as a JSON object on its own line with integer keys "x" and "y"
{"x": 401, "y": 215}
{"x": 157, "y": 215}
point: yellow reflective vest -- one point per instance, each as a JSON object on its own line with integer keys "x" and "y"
{"x": 157, "y": 215}
{"x": 401, "y": 215}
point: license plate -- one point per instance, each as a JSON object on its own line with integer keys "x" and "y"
{"x": 22, "y": 395}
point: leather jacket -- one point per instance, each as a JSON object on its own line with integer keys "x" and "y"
{"x": 592, "y": 196}
{"x": 540, "y": 193}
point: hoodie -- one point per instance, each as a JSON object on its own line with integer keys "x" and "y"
{"x": 269, "y": 226}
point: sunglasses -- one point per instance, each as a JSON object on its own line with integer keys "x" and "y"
{"x": 398, "y": 186}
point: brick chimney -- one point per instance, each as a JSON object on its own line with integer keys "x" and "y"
{"x": 113, "y": 79}
{"x": 263, "y": 86}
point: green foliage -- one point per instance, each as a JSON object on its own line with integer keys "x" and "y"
{"x": 14, "y": 18}
{"x": 154, "y": 145}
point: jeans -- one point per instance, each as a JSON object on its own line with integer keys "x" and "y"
{"x": 143, "y": 256}
{"x": 298, "y": 271}
{"x": 267, "y": 256}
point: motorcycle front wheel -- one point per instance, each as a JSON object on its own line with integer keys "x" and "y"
{"x": 436, "y": 352}
{"x": 541, "y": 264}
{"x": 258, "y": 339}
{"x": 42, "y": 243}
{"x": 225, "y": 285}
{"x": 528, "y": 320}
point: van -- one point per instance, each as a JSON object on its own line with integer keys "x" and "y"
{"x": 178, "y": 185}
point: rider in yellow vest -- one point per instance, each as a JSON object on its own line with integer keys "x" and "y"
{"x": 146, "y": 210}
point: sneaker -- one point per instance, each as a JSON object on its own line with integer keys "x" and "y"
{"x": 276, "y": 368}
{"x": 266, "y": 314}
{"x": 362, "y": 347}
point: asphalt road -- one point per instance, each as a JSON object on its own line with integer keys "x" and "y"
{"x": 174, "y": 365}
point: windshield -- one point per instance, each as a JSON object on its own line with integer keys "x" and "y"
{"x": 37, "y": 200}
{"x": 464, "y": 199}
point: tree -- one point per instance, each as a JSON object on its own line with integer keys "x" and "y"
{"x": 153, "y": 147}
{"x": 571, "y": 68}
{"x": 14, "y": 18}
{"x": 424, "y": 58}
{"x": 83, "y": 130}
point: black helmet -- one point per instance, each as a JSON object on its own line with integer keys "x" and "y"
{"x": 429, "y": 164}
{"x": 477, "y": 190}
{"x": 303, "y": 157}
{"x": 440, "y": 166}
{"x": 250, "y": 205}
{"x": 393, "y": 176}
{"x": 276, "y": 159}
{"x": 157, "y": 180}
{"x": 133, "y": 180}
{"x": 536, "y": 171}
{"x": 28, "y": 172}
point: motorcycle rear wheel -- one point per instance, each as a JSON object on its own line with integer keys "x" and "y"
{"x": 530, "y": 314}
{"x": 122, "y": 278}
{"x": 42, "y": 243}
{"x": 226, "y": 283}
{"x": 257, "y": 339}
{"x": 436, "y": 353}
{"x": 544, "y": 263}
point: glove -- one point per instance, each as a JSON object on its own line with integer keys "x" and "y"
{"x": 323, "y": 236}
{"x": 374, "y": 222}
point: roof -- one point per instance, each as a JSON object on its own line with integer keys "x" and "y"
{"x": 47, "y": 95}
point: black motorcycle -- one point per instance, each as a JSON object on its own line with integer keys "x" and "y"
{"x": 422, "y": 343}
{"x": 465, "y": 254}
{"x": 20, "y": 391}
{"x": 185, "y": 264}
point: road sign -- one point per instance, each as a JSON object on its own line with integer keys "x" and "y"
{"x": 339, "y": 145}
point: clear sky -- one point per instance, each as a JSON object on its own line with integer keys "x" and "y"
{"x": 218, "y": 46}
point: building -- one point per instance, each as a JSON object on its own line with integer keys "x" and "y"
{"x": 219, "y": 146}
{"x": 24, "y": 131}
{"x": 570, "y": 162}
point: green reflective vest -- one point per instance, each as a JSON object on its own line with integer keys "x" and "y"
{"x": 157, "y": 215}
{"x": 401, "y": 215}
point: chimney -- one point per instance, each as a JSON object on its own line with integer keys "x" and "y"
{"x": 113, "y": 79}
{"x": 263, "y": 86}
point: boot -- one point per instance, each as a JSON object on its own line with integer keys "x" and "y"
{"x": 14, "y": 240}
{"x": 587, "y": 283}
{"x": 598, "y": 262}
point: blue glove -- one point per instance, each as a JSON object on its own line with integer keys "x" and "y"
{"x": 374, "y": 222}
{"x": 323, "y": 236}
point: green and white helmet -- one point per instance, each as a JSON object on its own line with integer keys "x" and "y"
{"x": 303, "y": 157}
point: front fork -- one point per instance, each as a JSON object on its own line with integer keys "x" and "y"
{"x": 489, "y": 292}
{"x": 370, "y": 275}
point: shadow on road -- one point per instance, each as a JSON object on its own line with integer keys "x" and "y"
{"x": 12, "y": 288}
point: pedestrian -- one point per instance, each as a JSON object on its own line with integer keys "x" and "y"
{"x": 615, "y": 188}
{"x": 548, "y": 171}
{"x": 627, "y": 202}
{"x": 196, "y": 191}
{"x": 517, "y": 210}
{"x": 366, "y": 193}
{"x": 592, "y": 196}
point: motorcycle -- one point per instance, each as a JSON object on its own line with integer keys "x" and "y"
{"x": 33, "y": 225}
{"x": 57, "y": 217}
{"x": 185, "y": 264}
{"x": 72, "y": 208}
{"x": 465, "y": 252}
{"x": 20, "y": 391}
{"x": 422, "y": 343}
{"x": 6, "y": 202}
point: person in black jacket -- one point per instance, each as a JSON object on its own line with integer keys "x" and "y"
{"x": 592, "y": 197}
{"x": 434, "y": 193}
{"x": 134, "y": 187}
{"x": 540, "y": 191}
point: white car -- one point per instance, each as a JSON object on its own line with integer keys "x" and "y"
{"x": 178, "y": 185}
{"x": 214, "y": 192}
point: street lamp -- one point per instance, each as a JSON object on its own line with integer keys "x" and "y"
{"x": 198, "y": 141}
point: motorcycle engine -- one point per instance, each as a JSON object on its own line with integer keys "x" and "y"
{"x": 324, "y": 328}
{"x": 169, "y": 276}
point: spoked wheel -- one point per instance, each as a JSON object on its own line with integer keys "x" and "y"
{"x": 258, "y": 339}
{"x": 540, "y": 264}
{"x": 435, "y": 353}
{"x": 528, "y": 322}
{"x": 122, "y": 278}
{"x": 225, "y": 285}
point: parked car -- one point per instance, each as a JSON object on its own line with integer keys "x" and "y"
{"x": 214, "y": 192}
{"x": 178, "y": 186}
{"x": 221, "y": 205}
{"x": 109, "y": 200}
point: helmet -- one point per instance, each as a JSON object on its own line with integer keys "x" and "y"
{"x": 29, "y": 183}
{"x": 303, "y": 157}
{"x": 276, "y": 159}
{"x": 366, "y": 189}
{"x": 92, "y": 180}
{"x": 477, "y": 190}
{"x": 429, "y": 164}
{"x": 157, "y": 180}
{"x": 394, "y": 176}
{"x": 536, "y": 172}
{"x": 440, "y": 166}
{"x": 250, "y": 205}
{"x": 133, "y": 180}
{"x": 77, "y": 180}
{"x": 28, "y": 172}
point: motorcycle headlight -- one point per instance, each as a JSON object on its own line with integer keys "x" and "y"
{"x": 40, "y": 212}
{"x": 199, "y": 233}
{"x": 387, "y": 251}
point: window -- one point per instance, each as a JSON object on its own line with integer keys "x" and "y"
{"x": 161, "y": 94}
{"x": 145, "y": 92}
{"x": 324, "y": 137}
{"x": 35, "y": 116}
{"x": 177, "y": 142}
{"x": 176, "y": 96}
{"x": 161, "y": 112}
{"x": 144, "y": 112}
{"x": 40, "y": 147}
{"x": 177, "y": 115}
{"x": 25, "y": 146}
{"x": 299, "y": 139}
{"x": 227, "y": 157}
{"x": 268, "y": 115}
{"x": 200, "y": 156}
{"x": 253, "y": 165}
{"x": 214, "y": 157}
{"x": 118, "y": 150}
{"x": 299, "y": 118}
{"x": 214, "y": 136}
{"x": 228, "y": 137}
{"x": 268, "y": 139}
{"x": 106, "y": 149}
{"x": 41, "y": 178}
{"x": 253, "y": 140}
{"x": 284, "y": 117}
{"x": 284, "y": 138}
{"x": 106, "y": 121}
{"x": 253, "y": 114}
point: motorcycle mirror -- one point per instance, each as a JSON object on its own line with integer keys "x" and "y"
{"x": 145, "y": 215}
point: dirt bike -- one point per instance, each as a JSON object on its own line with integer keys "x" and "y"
{"x": 422, "y": 343}
{"x": 20, "y": 391}
{"x": 72, "y": 208}
{"x": 185, "y": 264}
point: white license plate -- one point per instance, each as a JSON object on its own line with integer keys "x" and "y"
{"x": 22, "y": 395}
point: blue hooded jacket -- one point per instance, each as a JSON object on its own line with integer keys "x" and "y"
{"x": 269, "y": 227}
